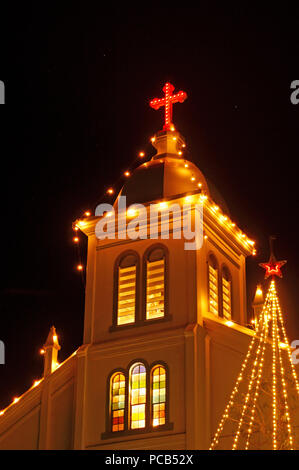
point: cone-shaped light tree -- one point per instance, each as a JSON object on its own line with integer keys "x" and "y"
{"x": 262, "y": 411}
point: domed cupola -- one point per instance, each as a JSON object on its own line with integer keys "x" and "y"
{"x": 167, "y": 175}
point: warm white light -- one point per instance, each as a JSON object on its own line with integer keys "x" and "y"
{"x": 131, "y": 212}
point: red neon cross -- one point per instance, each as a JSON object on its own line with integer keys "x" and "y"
{"x": 168, "y": 101}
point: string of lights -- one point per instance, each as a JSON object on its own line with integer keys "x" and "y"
{"x": 270, "y": 330}
{"x": 214, "y": 210}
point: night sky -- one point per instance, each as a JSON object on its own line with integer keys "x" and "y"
{"x": 78, "y": 83}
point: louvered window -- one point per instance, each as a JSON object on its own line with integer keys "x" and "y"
{"x": 126, "y": 290}
{"x": 213, "y": 287}
{"x": 226, "y": 295}
{"x": 155, "y": 285}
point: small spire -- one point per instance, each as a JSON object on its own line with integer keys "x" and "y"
{"x": 52, "y": 339}
{"x": 51, "y": 348}
{"x": 259, "y": 296}
{"x": 257, "y": 304}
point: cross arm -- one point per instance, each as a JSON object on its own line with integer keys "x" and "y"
{"x": 156, "y": 103}
{"x": 179, "y": 97}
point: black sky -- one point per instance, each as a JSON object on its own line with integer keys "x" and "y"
{"x": 78, "y": 81}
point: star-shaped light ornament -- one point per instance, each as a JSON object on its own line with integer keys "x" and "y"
{"x": 273, "y": 266}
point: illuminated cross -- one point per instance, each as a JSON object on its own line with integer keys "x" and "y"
{"x": 168, "y": 101}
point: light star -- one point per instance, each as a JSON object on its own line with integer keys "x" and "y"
{"x": 272, "y": 267}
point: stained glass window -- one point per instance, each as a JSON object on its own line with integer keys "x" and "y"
{"x": 213, "y": 289}
{"x": 158, "y": 396}
{"x": 126, "y": 295}
{"x": 137, "y": 396}
{"x": 226, "y": 295}
{"x": 155, "y": 285}
{"x": 118, "y": 385}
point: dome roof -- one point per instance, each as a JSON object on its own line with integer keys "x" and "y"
{"x": 167, "y": 175}
{"x": 162, "y": 179}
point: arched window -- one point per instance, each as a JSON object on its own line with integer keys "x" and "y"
{"x": 137, "y": 396}
{"x": 155, "y": 295}
{"x": 226, "y": 294}
{"x": 117, "y": 401}
{"x": 213, "y": 285}
{"x": 137, "y": 399}
{"x": 126, "y": 280}
{"x": 158, "y": 384}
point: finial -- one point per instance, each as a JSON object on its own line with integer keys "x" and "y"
{"x": 259, "y": 295}
{"x": 168, "y": 101}
{"x": 51, "y": 348}
{"x": 52, "y": 339}
{"x": 273, "y": 266}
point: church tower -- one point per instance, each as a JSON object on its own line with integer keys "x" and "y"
{"x": 165, "y": 327}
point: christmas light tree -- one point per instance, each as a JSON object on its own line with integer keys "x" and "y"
{"x": 262, "y": 412}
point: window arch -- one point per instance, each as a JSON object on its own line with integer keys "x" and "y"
{"x": 137, "y": 396}
{"x": 213, "y": 285}
{"x": 117, "y": 401}
{"x": 126, "y": 277}
{"x": 138, "y": 399}
{"x": 226, "y": 287}
{"x": 155, "y": 268}
{"x": 158, "y": 396}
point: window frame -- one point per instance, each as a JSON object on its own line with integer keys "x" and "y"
{"x": 146, "y": 255}
{"x": 165, "y": 366}
{"x": 130, "y": 369}
{"x": 117, "y": 265}
{"x": 111, "y": 381}
{"x": 213, "y": 262}
{"x": 224, "y": 268}
{"x": 149, "y": 428}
